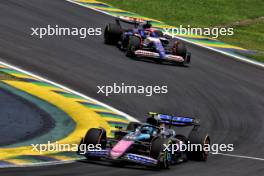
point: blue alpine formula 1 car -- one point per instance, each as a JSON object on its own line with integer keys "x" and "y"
{"x": 144, "y": 41}
{"x": 151, "y": 144}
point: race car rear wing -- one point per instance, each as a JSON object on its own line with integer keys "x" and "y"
{"x": 174, "y": 120}
{"x": 130, "y": 20}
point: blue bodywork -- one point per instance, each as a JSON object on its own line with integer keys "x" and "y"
{"x": 157, "y": 45}
{"x": 173, "y": 120}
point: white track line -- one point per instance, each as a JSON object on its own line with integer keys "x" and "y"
{"x": 70, "y": 90}
{"x": 239, "y": 156}
{"x": 239, "y": 58}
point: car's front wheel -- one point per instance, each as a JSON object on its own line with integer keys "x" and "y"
{"x": 133, "y": 45}
{"x": 179, "y": 49}
{"x": 93, "y": 137}
{"x": 158, "y": 151}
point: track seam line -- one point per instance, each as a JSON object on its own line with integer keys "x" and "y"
{"x": 239, "y": 156}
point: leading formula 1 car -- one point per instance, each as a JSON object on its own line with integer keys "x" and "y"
{"x": 145, "y": 143}
{"x": 145, "y": 41}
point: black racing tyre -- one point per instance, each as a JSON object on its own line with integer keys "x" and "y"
{"x": 94, "y": 136}
{"x": 132, "y": 126}
{"x": 201, "y": 138}
{"x": 112, "y": 34}
{"x": 157, "y": 152}
{"x": 188, "y": 58}
{"x": 133, "y": 45}
{"x": 181, "y": 50}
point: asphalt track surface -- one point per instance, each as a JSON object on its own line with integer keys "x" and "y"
{"x": 227, "y": 95}
{"x": 24, "y": 118}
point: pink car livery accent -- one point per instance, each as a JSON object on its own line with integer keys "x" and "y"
{"x": 120, "y": 148}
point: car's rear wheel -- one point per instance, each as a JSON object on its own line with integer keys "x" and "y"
{"x": 201, "y": 138}
{"x": 112, "y": 34}
{"x": 133, "y": 45}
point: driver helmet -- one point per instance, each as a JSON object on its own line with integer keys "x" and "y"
{"x": 150, "y": 32}
{"x": 147, "y": 25}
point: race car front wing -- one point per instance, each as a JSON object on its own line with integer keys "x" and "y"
{"x": 135, "y": 158}
{"x": 168, "y": 57}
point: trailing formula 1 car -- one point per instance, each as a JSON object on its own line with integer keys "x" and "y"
{"x": 144, "y": 41}
{"x": 152, "y": 143}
